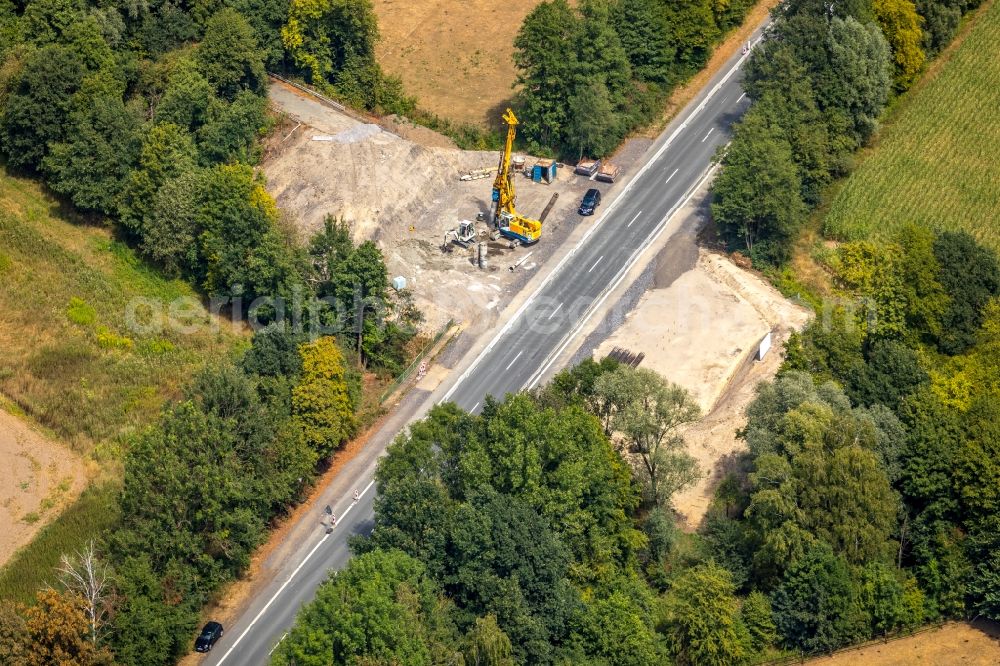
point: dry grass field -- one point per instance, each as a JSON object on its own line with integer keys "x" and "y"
{"x": 454, "y": 56}
{"x": 936, "y": 159}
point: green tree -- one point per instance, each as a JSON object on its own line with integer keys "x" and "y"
{"x": 881, "y": 597}
{"x": 694, "y": 31}
{"x": 645, "y": 35}
{"x": 758, "y": 618}
{"x": 150, "y": 626}
{"x": 757, "y": 196}
{"x": 239, "y": 242}
{"x": 187, "y": 96}
{"x": 230, "y": 131}
{"x": 546, "y": 61}
{"x": 701, "y": 618}
{"x": 970, "y": 274}
{"x": 861, "y": 68}
{"x": 487, "y": 644}
{"x": 649, "y": 412}
{"x": 37, "y": 109}
{"x": 167, "y": 152}
{"x": 593, "y": 120}
{"x": 619, "y": 631}
{"x": 782, "y": 90}
{"x": 333, "y": 41}
{"x": 101, "y": 147}
{"x": 321, "y": 402}
{"x": 228, "y": 55}
{"x": 171, "y": 228}
{"x": 382, "y": 608}
{"x": 815, "y": 606}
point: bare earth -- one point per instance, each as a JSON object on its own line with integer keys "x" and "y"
{"x": 38, "y": 478}
{"x": 405, "y": 194}
{"x": 956, "y": 643}
{"x": 702, "y": 332}
{"x": 456, "y": 57}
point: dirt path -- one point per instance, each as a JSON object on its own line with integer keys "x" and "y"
{"x": 968, "y": 644}
{"x": 38, "y": 478}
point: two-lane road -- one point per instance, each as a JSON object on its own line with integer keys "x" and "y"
{"x": 520, "y": 353}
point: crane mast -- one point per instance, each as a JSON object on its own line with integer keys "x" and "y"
{"x": 506, "y": 219}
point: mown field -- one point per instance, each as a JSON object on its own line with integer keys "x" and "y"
{"x": 936, "y": 162}
{"x": 70, "y": 359}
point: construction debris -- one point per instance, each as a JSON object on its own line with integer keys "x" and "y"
{"x": 608, "y": 172}
{"x": 587, "y": 167}
{"x": 520, "y": 261}
{"x": 476, "y": 174}
{"x": 548, "y": 207}
{"x": 626, "y": 357}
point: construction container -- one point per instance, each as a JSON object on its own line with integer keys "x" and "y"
{"x": 399, "y": 283}
{"x": 608, "y": 172}
{"x": 587, "y": 167}
{"x": 544, "y": 171}
{"x": 481, "y": 258}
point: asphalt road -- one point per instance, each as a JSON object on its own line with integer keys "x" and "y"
{"x": 522, "y": 352}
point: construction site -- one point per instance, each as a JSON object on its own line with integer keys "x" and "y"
{"x": 428, "y": 205}
{"x": 446, "y": 222}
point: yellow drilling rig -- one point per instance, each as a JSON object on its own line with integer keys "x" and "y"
{"x": 505, "y": 219}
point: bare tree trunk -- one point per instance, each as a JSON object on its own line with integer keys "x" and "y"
{"x": 86, "y": 576}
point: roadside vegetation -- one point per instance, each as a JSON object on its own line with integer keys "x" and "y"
{"x": 819, "y": 84}
{"x": 932, "y": 163}
{"x": 144, "y": 121}
{"x": 590, "y": 74}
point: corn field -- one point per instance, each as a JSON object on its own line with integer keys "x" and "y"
{"x": 937, "y": 162}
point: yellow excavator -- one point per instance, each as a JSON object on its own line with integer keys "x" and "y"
{"x": 505, "y": 219}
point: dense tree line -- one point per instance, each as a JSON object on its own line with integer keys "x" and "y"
{"x": 590, "y": 74}
{"x": 199, "y": 491}
{"x": 536, "y": 532}
{"x": 818, "y": 83}
{"x": 151, "y": 116}
{"x": 866, "y": 504}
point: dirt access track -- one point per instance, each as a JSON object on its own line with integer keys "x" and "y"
{"x": 38, "y": 478}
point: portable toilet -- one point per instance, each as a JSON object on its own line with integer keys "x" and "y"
{"x": 544, "y": 171}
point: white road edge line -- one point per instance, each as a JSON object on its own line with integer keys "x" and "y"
{"x": 621, "y": 276}
{"x": 474, "y": 407}
{"x": 512, "y": 362}
{"x": 621, "y": 196}
{"x": 596, "y": 262}
{"x": 710, "y": 130}
{"x": 634, "y": 219}
{"x": 291, "y": 576}
{"x": 277, "y": 644}
{"x": 558, "y": 307}
{"x": 671, "y": 175}
{"x": 741, "y": 98}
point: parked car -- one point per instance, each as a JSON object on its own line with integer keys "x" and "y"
{"x": 591, "y": 200}
{"x": 209, "y": 635}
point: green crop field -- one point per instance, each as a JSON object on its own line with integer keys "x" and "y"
{"x": 937, "y": 162}
{"x": 70, "y": 359}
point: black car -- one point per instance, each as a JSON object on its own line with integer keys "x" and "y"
{"x": 591, "y": 200}
{"x": 209, "y": 635}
